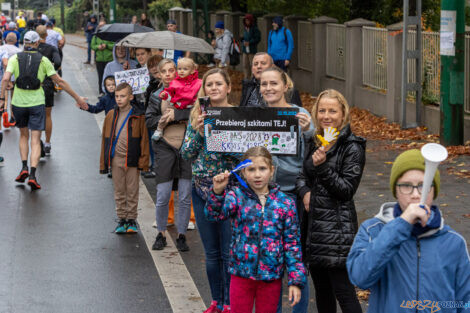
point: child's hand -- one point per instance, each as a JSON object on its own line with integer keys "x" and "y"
{"x": 164, "y": 95}
{"x": 220, "y": 182}
{"x": 294, "y": 295}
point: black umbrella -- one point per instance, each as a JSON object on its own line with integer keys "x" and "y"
{"x": 117, "y": 31}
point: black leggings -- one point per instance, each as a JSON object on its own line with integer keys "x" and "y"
{"x": 331, "y": 284}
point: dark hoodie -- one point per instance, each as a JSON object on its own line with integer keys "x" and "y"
{"x": 106, "y": 103}
{"x": 251, "y": 34}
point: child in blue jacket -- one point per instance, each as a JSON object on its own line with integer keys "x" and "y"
{"x": 106, "y": 102}
{"x": 265, "y": 236}
{"x": 409, "y": 259}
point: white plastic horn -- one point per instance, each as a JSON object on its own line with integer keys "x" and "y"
{"x": 433, "y": 154}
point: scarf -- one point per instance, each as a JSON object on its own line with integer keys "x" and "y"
{"x": 434, "y": 220}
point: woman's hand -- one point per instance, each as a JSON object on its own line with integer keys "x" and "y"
{"x": 294, "y": 295}
{"x": 319, "y": 156}
{"x": 415, "y": 213}
{"x": 199, "y": 125}
{"x": 306, "y": 201}
{"x": 304, "y": 121}
{"x": 220, "y": 182}
{"x": 170, "y": 115}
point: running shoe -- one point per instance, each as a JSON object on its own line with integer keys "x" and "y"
{"x": 181, "y": 243}
{"x": 33, "y": 183}
{"x": 213, "y": 308}
{"x": 131, "y": 226}
{"x": 1, "y": 159}
{"x": 43, "y": 152}
{"x": 160, "y": 242}
{"x": 23, "y": 175}
{"x": 47, "y": 148}
{"x": 121, "y": 228}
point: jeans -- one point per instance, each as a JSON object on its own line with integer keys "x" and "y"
{"x": 331, "y": 284}
{"x": 184, "y": 204}
{"x": 302, "y": 306}
{"x": 152, "y": 154}
{"x": 281, "y": 64}
{"x": 215, "y": 237}
{"x": 89, "y": 50}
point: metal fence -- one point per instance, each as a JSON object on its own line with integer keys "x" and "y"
{"x": 467, "y": 73}
{"x": 335, "y": 50}
{"x": 431, "y": 66}
{"x": 374, "y": 57}
{"x": 305, "y": 40}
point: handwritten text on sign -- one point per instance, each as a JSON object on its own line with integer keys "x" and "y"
{"x": 138, "y": 79}
{"x": 235, "y": 130}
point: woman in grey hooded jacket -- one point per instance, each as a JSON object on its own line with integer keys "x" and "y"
{"x": 223, "y": 43}
{"x": 121, "y": 62}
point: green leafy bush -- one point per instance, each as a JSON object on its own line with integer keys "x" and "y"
{"x": 159, "y": 9}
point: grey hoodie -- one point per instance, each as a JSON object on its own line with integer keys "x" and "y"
{"x": 114, "y": 66}
{"x": 222, "y": 47}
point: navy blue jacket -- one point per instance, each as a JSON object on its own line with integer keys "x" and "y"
{"x": 106, "y": 103}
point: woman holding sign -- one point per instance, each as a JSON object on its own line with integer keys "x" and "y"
{"x": 215, "y": 236}
{"x": 275, "y": 87}
{"x": 332, "y": 170}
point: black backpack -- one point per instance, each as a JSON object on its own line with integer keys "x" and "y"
{"x": 234, "y": 52}
{"x": 29, "y": 65}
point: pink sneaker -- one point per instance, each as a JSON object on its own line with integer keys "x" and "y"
{"x": 213, "y": 308}
{"x": 226, "y": 309}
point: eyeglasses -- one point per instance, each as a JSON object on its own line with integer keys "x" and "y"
{"x": 407, "y": 189}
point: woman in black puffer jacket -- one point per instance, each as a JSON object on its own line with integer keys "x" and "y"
{"x": 330, "y": 178}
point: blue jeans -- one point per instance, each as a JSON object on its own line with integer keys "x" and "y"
{"x": 302, "y": 306}
{"x": 215, "y": 237}
{"x": 89, "y": 49}
{"x": 152, "y": 154}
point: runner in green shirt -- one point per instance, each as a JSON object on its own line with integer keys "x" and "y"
{"x": 28, "y": 102}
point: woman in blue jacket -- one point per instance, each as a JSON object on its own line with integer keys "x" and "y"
{"x": 409, "y": 259}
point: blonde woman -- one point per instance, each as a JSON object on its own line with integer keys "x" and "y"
{"x": 331, "y": 176}
{"x": 215, "y": 236}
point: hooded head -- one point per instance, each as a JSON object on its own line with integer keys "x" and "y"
{"x": 122, "y": 53}
{"x": 278, "y": 20}
{"x": 249, "y": 20}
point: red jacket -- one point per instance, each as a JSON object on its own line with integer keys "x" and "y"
{"x": 182, "y": 92}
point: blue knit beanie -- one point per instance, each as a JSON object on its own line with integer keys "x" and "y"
{"x": 220, "y": 24}
{"x": 278, "y": 20}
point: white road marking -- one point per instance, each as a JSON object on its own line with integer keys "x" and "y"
{"x": 180, "y": 288}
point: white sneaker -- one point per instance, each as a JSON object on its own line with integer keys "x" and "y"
{"x": 156, "y": 135}
{"x": 210, "y": 65}
{"x": 154, "y": 225}
{"x": 191, "y": 226}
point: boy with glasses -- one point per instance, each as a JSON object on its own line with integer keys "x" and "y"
{"x": 406, "y": 255}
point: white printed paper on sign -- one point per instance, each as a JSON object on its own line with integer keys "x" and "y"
{"x": 137, "y": 78}
{"x": 448, "y": 32}
{"x": 235, "y": 130}
{"x": 169, "y": 54}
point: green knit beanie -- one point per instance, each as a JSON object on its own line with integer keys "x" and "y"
{"x": 410, "y": 160}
